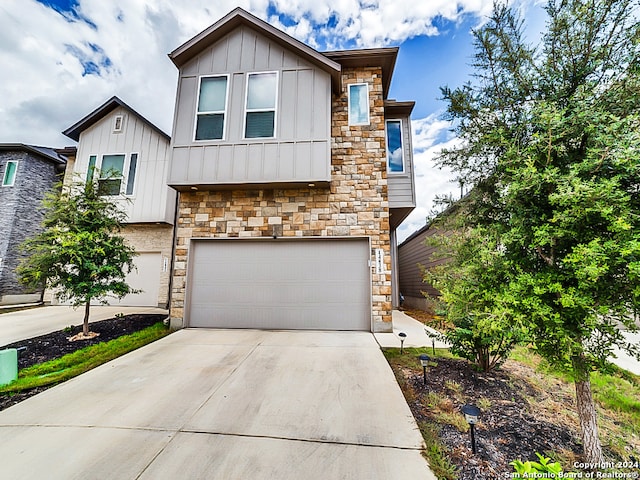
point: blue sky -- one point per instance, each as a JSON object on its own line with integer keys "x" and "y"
{"x": 62, "y": 58}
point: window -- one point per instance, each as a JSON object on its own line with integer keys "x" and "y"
{"x": 9, "y": 176}
{"x": 131, "y": 176}
{"x": 118, "y": 123}
{"x": 92, "y": 168}
{"x": 260, "y": 116}
{"x": 395, "y": 152}
{"x": 111, "y": 175}
{"x": 112, "y": 168}
{"x": 212, "y": 106}
{"x": 359, "y": 104}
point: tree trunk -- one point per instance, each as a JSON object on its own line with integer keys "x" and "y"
{"x": 85, "y": 325}
{"x": 587, "y": 414}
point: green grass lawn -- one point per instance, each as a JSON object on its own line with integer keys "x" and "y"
{"x": 73, "y": 364}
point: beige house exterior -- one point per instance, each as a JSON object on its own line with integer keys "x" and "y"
{"x": 288, "y": 191}
{"x": 114, "y": 136}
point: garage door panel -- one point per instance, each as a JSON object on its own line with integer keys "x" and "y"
{"x": 308, "y": 284}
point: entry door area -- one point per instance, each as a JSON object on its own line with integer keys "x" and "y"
{"x": 310, "y": 284}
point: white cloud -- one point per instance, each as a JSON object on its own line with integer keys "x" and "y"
{"x": 57, "y": 68}
{"x": 430, "y": 135}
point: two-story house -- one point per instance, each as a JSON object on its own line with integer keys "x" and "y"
{"x": 293, "y": 170}
{"x": 27, "y": 173}
{"x": 129, "y": 156}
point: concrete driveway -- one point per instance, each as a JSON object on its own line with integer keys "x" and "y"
{"x": 239, "y": 404}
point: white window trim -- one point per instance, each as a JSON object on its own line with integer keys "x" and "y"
{"x": 386, "y": 138}
{"x": 247, "y": 110}
{"x": 127, "y": 166}
{"x": 4, "y": 174}
{"x": 226, "y": 108}
{"x": 115, "y": 124}
{"x": 125, "y": 171}
{"x": 351, "y": 123}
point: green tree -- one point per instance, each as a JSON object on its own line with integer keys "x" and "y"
{"x": 79, "y": 253}
{"x": 469, "y": 277}
{"x": 550, "y": 138}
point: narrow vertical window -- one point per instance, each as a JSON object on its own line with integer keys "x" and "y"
{"x": 111, "y": 175}
{"x": 395, "y": 152}
{"x": 260, "y": 117}
{"x": 92, "y": 168}
{"x": 9, "y": 176}
{"x": 118, "y": 123}
{"x": 212, "y": 106}
{"x": 131, "y": 176}
{"x": 359, "y": 104}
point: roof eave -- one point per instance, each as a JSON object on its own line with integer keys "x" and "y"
{"x": 74, "y": 131}
{"x": 237, "y": 17}
{"x": 369, "y": 57}
{"x": 59, "y": 159}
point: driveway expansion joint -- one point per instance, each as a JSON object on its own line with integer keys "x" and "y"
{"x": 305, "y": 440}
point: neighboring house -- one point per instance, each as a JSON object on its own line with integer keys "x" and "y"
{"x": 130, "y": 157}
{"x": 414, "y": 255}
{"x": 27, "y": 173}
{"x": 294, "y": 170}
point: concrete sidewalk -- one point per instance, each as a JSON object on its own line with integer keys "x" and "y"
{"x": 32, "y": 322}
{"x": 416, "y": 337}
{"x": 415, "y": 330}
{"x": 236, "y": 404}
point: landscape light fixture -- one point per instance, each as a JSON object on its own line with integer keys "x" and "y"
{"x": 402, "y": 336}
{"x": 471, "y": 413}
{"x": 424, "y": 361}
{"x": 433, "y": 346}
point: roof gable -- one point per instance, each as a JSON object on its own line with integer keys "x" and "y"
{"x": 237, "y": 17}
{"x": 102, "y": 111}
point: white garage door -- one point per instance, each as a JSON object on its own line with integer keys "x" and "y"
{"x": 280, "y": 284}
{"x": 145, "y": 278}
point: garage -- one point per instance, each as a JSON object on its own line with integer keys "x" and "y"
{"x": 145, "y": 277}
{"x": 310, "y": 284}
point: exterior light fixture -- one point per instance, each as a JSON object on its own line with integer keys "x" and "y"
{"x": 402, "y": 336}
{"x": 433, "y": 346}
{"x": 471, "y": 413}
{"x": 424, "y": 361}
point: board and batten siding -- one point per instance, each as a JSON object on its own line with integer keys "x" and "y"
{"x": 401, "y": 187}
{"x": 152, "y": 199}
{"x": 301, "y": 149}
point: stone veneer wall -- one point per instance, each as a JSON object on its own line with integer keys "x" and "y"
{"x": 21, "y": 215}
{"x": 355, "y": 203}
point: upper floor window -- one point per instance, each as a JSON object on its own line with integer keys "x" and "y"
{"x": 117, "y": 175}
{"x": 359, "y": 104}
{"x": 260, "y": 118}
{"x": 212, "y": 108}
{"x": 9, "y": 176}
{"x": 395, "y": 152}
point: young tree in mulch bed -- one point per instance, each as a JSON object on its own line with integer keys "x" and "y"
{"x": 80, "y": 253}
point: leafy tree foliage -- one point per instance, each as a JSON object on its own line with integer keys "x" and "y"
{"x": 80, "y": 253}
{"x": 470, "y": 278}
{"x": 551, "y": 145}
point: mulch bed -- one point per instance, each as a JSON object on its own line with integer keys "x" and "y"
{"x": 508, "y": 429}
{"x": 56, "y": 344}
